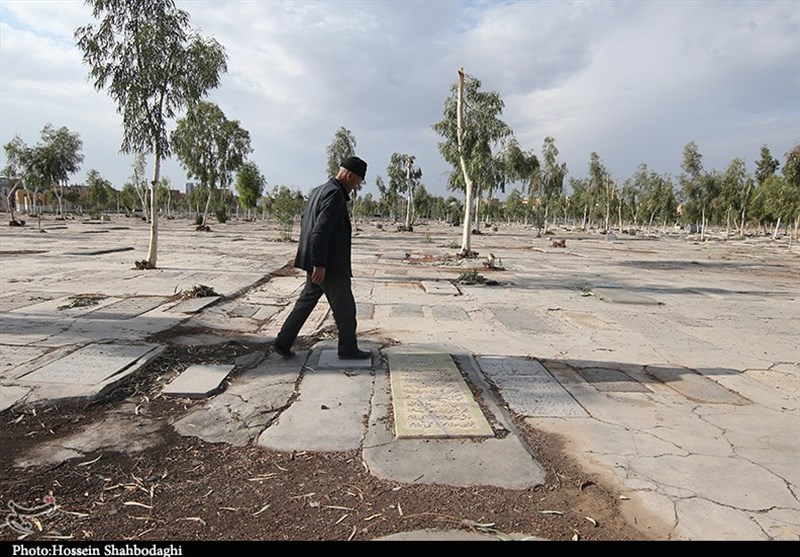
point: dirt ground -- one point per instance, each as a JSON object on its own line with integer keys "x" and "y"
{"x": 186, "y": 489}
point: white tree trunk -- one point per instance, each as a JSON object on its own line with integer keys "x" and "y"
{"x": 152, "y": 254}
{"x": 467, "y": 228}
{"x": 777, "y": 225}
{"x": 208, "y": 204}
{"x": 10, "y": 199}
{"x": 703, "y": 224}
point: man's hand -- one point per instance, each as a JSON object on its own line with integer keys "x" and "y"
{"x": 318, "y": 275}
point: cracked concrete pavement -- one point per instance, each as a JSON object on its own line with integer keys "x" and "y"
{"x": 671, "y": 367}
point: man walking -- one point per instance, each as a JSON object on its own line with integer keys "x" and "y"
{"x": 324, "y": 253}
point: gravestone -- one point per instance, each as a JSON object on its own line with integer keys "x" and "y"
{"x": 432, "y": 400}
{"x": 91, "y": 364}
{"x": 197, "y": 381}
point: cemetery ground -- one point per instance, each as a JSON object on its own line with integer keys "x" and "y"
{"x": 587, "y": 295}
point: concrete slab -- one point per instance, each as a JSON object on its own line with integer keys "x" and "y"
{"x": 520, "y": 319}
{"x": 407, "y": 311}
{"x": 125, "y": 309}
{"x": 327, "y": 416}
{"x": 14, "y": 358}
{"x": 18, "y": 300}
{"x": 329, "y": 359}
{"x": 265, "y": 313}
{"x": 611, "y": 380}
{"x": 449, "y": 313}
{"x": 431, "y": 399}
{"x": 503, "y": 462}
{"x": 441, "y": 287}
{"x": 528, "y": 388}
{"x": 61, "y": 391}
{"x": 90, "y": 365}
{"x": 621, "y": 296}
{"x": 365, "y": 310}
{"x": 197, "y": 381}
{"x": 249, "y": 405}
{"x": 10, "y": 395}
{"x": 193, "y": 305}
{"x": 694, "y": 386}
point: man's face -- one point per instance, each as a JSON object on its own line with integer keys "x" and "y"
{"x": 353, "y": 180}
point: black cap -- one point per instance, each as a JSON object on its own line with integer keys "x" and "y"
{"x": 356, "y": 165}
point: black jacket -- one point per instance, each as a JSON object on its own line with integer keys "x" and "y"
{"x": 325, "y": 231}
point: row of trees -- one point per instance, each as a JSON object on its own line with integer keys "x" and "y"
{"x": 154, "y": 65}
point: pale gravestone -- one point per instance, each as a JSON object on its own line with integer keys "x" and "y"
{"x": 91, "y": 364}
{"x": 432, "y": 400}
{"x": 197, "y": 381}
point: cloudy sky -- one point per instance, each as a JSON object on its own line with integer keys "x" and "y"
{"x": 634, "y": 81}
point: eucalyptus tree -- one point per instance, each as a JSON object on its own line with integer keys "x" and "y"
{"x": 342, "y": 146}
{"x": 139, "y": 183}
{"x": 287, "y": 205}
{"x": 364, "y": 206}
{"x": 165, "y": 195}
{"x": 58, "y": 155}
{"x": 473, "y": 136}
{"x": 250, "y": 184}
{"x": 700, "y": 188}
{"x": 210, "y": 147}
{"x": 781, "y": 193}
{"x": 129, "y": 198}
{"x": 521, "y": 166}
{"x": 766, "y": 166}
{"x": 154, "y": 65}
{"x": 515, "y": 207}
{"x": 735, "y": 192}
{"x": 791, "y": 173}
{"x": 99, "y": 192}
{"x": 404, "y": 176}
{"x": 548, "y": 181}
{"x": 603, "y": 187}
{"x": 16, "y": 170}
{"x": 387, "y": 202}
{"x": 423, "y": 202}
{"x": 657, "y": 196}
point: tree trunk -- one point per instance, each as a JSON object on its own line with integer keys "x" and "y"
{"x": 477, "y": 224}
{"x": 11, "y": 203}
{"x": 410, "y": 189}
{"x": 152, "y": 255}
{"x": 777, "y": 225}
{"x": 703, "y": 224}
{"x": 208, "y": 204}
{"x": 546, "y": 211}
{"x": 728, "y": 224}
{"x": 585, "y": 216}
{"x": 467, "y": 225}
{"x": 741, "y": 229}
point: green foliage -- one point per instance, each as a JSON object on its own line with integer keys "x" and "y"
{"x": 98, "y": 191}
{"x": 210, "y": 147}
{"x": 471, "y": 277}
{"x": 152, "y": 63}
{"x": 249, "y": 184}
{"x": 287, "y": 205}
{"x": 342, "y": 146}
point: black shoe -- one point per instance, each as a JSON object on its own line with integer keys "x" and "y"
{"x": 357, "y": 355}
{"x": 285, "y": 352}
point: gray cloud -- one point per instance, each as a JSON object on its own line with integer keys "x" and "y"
{"x": 633, "y": 81}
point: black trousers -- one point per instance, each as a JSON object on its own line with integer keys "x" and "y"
{"x": 339, "y": 293}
